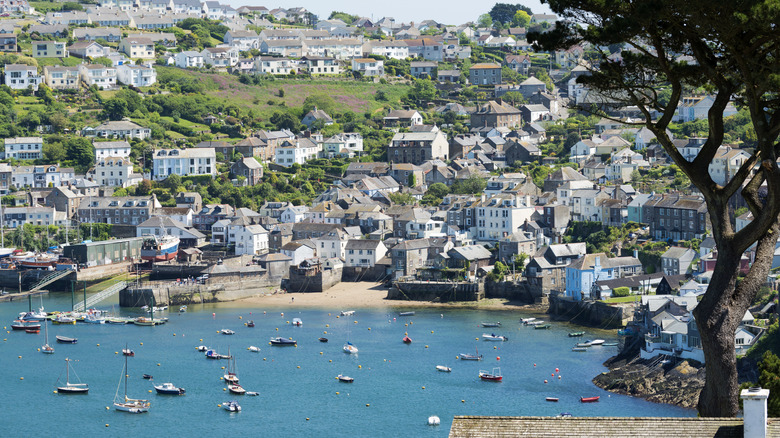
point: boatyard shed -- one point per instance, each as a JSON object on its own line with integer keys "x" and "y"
{"x": 105, "y": 252}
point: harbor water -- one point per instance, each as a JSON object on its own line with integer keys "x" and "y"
{"x": 396, "y": 386}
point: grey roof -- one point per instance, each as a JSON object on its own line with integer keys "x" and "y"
{"x": 362, "y": 244}
{"x": 677, "y": 252}
{"x": 600, "y": 427}
{"x": 470, "y": 252}
{"x": 568, "y": 249}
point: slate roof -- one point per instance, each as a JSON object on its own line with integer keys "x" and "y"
{"x": 600, "y": 427}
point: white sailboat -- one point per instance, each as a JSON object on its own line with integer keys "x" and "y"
{"x": 71, "y": 388}
{"x": 46, "y": 348}
{"x": 125, "y": 404}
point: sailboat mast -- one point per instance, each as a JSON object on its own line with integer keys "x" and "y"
{"x": 67, "y": 371}
{"x": 126, "y": 372}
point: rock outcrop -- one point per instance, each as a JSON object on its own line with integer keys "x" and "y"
{"x": 678, "y": 384}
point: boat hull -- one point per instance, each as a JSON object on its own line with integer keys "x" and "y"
{"x": 66, "y": 340}
{"x": 132, "y": 408}
{"x": 72, "y": 390}
{"x": 160, "y": 251}
{"x": 589, "y": 399}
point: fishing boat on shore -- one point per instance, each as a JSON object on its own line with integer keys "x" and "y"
{"x": 589, "y": 399}
{"x": 576, "y": 334}
{"x": 71, "y": 388}
{"x": 231, "y": 406}
{"x": 443, "y": 368}
{"x": 169, "y": 389}
{"x": 494, "y": 337}
{"x": 159, "y": 249}
{"x": 39, "y": 261}
{"x": 494, "y": 376}
{"x": 126, "y": 404}
{"x": 345, "y": 379}
{"x": 491, "y": 324}
{"x": 283, "y": 342}
{"x": 66, "y": 340}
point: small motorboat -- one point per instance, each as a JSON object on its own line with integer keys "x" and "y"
{"x": 231, "y": 406}
{"x": 491, "y": 324}
{"x": 433, "y": 420}
{"x": 443, "y": 369}
{"x": 34, "y": 331}
{"x": 589, "y": 399}
{"x": 66, "y": 340}
{"x": 227, "y": 332}
{"x": 283, "y": 342}
{"x": 347, "y": 312}
{"x": 535, "y": 322}
{"x": 212, "y": 354}
{"x": 235, "y": 388}
{"x": 169, "y": 389}
{"x": 202, "y": 348}
{"x": 345, "y": 379}
{"x": 582, "y": 344}
{"x": 92, "y": 318}
{"x": 182, "y": 309}
{"x": 254, "y": 349}
{"x": 323, "y": 339}
{"x": 64, "y": 319}
{"x": 40, "y": 315}
{"x": 148, "y": 376}
{"x": 25, "y": 325}
{"x": 297, "y": 322}
{"x": 466, "y": 356}
{"x": 564, "y": 415}
{"x": 350, "y": 349}
{"x": 253, "y": 393}
{"x": 576, "y": 334}
{"x": 609, "y": 344}
{"x": 552, "y": 399}
{"x": 128, "y": 352}
{"x": 580, "y": 349}
{"x": 596, "y": 342}
{"x": 494, "y": 337}
{"x": 407, "y": 340}
{"x": 494, "y": 376}
{"x": 526, "y": 321}
{"x": 250, "y": 324}
{"x": 542, "y": 326}
{"x": 406, "y": 314}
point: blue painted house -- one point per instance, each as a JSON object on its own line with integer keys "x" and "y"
{"x": 582, "y": 273}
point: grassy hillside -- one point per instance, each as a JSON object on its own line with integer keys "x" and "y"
{"x": 265, "y": 99}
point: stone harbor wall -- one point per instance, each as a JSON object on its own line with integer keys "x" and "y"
{"x": 590, "y": 313}
{"x": 319, "y": 282}
{"x": 353, "y": 274}
{"x": 219, "y": 289}
{"x": 437, "y": 291}
{"x": 512, "y": 291}
{"x": 172, "y": 271}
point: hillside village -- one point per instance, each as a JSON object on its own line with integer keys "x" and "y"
{"x": 444, "y": 154}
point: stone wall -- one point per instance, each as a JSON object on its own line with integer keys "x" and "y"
{"x": 319, "y": 282}
{"x": 102, "y": 271}
{"x": 512, "y": 291}
{"x": 175, "y": 270}
{"x": 224, "y": 288}
{"x": 353, "y": 274}
{"x": 437, "y": 291}
{"x": 592, "y": 313}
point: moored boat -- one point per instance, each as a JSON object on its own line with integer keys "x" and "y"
{"x": 148, "y": 377}
{"x": 576, "y": 334}
{"x": 231, "y": 406}
{"x": 169, "y": 389}
{"x": 407, "y": 340}
{"x": 443, "y": 368}
{"x": 580, "y": 349}
{"x": 280, "y": 341}
{"x": 527, "y": 320}
{"x": 40, "y": 315}
{"x": 182, "y": 309}
{"x": 39, "y": 261}
{"x": 227, "y": 332}
{"x": 212, "y": 354}
{"x": 33, "y": 331}
{"x": 466, "y": 356}
{"x": 406, "y": 314}
{"x": 235, "y": 388}
{"x": 297, "y": 322}
{"x": 254, "y": 349}
{"x": 128, "y": 352}
{"x": 551, "y": 399}
{"x": 347, "y": 312}
{"x": 494, "y": 376}
{"x": 202, "y": 348}
{"x": 610, "y": 344}
{"x": 250, "y": 324}
{"x": 46, "y": 348}
{"x": 25, "y": 325}
{"x": 71, "y": 388}
{"x": 126, "y": 404}
{"x": 494, "y": 337}
{"x": 349, "y": 348}
{"x": 535, "y": 322}
{"x": 159, "y": 249}
{"x": 596, "y": 342}
{"x": 491, "y": 324}
{"x": 542, "y": 327}
{"x": 66, "y": 340}
{"x": 323, "y": 339}
{"x": 63, "y": 319}
{"x": 345, "y": 379}
{"x": 91, "y": 318}
{"x": 589, "y": 399}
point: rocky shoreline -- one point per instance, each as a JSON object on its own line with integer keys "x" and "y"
{"x": 677, "y": 384}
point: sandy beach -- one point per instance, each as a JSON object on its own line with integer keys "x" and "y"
{"x": 346, "y": 296}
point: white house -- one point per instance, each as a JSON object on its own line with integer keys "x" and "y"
{"x": 23, "y": 148}
{"x": 113, "y": 172}
{"x": 136, "y": 75}
{"x": 273, "y": 65}
{"x": 368, "y": 66}
{"x": 388, "y": 49}
{"x": 299, "y": 151}
{"x": 41, "y": 176}
{"x": 61, "y": 78}
{"x": 17, "y": 216}
{"x": 189, "y": 59}
{"x": 162, "y": 225}
{"x": 119, "y": 129}
{"x": 364, "y": 253}
{"x": 98, "y": 75}
{"x": 184, "y": 162}
{"x": 137, "y": 48}
{"x": 501, "y": 216}
{"x": 331, "y": 245}
{"x": 726, "y": 164}
{"x": 20, "y": 76}
{"x": 697, "y": 107}
{"x": 243, "y": 40}
{"x": 251, "y": 240}
{"x": 220, "y": 56}
{"x": 293, "y": 214}
{"x": 105, "y": 149}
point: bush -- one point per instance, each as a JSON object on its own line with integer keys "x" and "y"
{"x": 621, "y": 292}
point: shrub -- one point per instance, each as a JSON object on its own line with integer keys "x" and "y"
{"x": 621, "y": 292}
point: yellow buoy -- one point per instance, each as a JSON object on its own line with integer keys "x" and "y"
{"x": 107, "y": 408}
{"x": 367, "y": 405}
{"x": 98, "y": 345}
{"x": 150, "y": 390}
{"x": 325, "y": 333}
{"x": 330, "y": 360}
{"x": 20, "y": 357}
{"x": 201, "y": 340}
{"x": 269, "y": 343}
{"x": 287, "y": 322}
{"x": 39, "y": 349}
{"x": 223, "y": 368}
{"x": 337, "y": 316}
{"x": 106, "y": 424}
{"x": 240, "y": 317}
{"x": 219, "y": 406}
{"x": 217, "y": 331}
{"x": 476, "y": 339}
{"x": 277, "y": 329}
{"x": 263, "y": 358}
{"x": 158, "y": 364}
{"x": 21, "y": 378}
{"x": 327, "y": 325}
{"x": 174, "y": 334}
{"x": 431, "y": 331}
{"x": 337, "y": 393}
{"x": 463, "y": 401}
{"x": 369, "y": 329}
{"x": 426, "y": 346}
{"x": 299, "y": 366}
{"x": 360, "y": 366}
{"x": 320, "y": 353}
{"x": 494, "y": 347}
{"x": 116, "y": 352}
{"x": 307, "y": 418}
{"x": 423, "y": 387}
{"x": 224, "y": 389}
{"x": 355, "y": 322}
{"x": 142, "y": 343}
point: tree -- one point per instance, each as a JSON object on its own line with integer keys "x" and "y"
{"x": 423, "y": 90}
{"x": 521, "y": 19}
{"x": 438, "y": 190}
{"x": 484, "y": 20}
{"x": 505, "y": 12}
{"x": 732, "y": 52}
{"x": 411, "y": 181}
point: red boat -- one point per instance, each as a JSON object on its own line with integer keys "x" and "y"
{"x": 407, "y": 340}
{"x": 495, "y": 376}
{"x": 589, "y": 399}
{"x": 250, "y": 324}
{"x": 33, "y": 330}
{"x": 128, "y": 352}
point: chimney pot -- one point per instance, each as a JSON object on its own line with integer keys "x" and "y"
{"x": 755, "y": 412}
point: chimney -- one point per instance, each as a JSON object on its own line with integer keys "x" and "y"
{"x": 755, "y": 413}
{"x": 500, "y": 101}
{"x": 636, "y": 253}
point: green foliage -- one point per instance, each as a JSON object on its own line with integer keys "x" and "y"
{"x": 498, "y": 273}
{"x": 485, "y": 20}
{"x": 285, "y": 120}
{"x": 343, "y": 16}
{"x": 768, "y": 378}
{"x": 507, "y": 12}
{"x": 621, "y": 292}
{"x": 521, "y": 19}
{"x": 438, "y": 190}
{"x": 470, "y": 186}
{"x": 424, "y": 90}
{"x": 96, "y": 231}
{"x": 402, "y": 198}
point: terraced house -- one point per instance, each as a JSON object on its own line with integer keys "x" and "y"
{"x": 49, "y": 49}
{"x": 674, "y": 216}
{"x": 137, "y": 48}
{"x": 124, "y": 210}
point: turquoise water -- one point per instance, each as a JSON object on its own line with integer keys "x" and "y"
{"x": 296, "y": 383}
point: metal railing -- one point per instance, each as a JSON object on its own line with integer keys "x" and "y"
{"x": 100, "y": 296}
{"x": 50, "y": 278}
